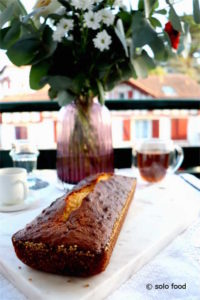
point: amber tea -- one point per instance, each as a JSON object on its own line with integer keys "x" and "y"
{"x": 153, "y": 165}
{"x": 157, "y": 157}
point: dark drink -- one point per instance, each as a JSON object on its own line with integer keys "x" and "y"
{"x": 153, "y": 164}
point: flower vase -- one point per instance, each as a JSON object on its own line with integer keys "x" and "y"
{"x": 84, "y": 141}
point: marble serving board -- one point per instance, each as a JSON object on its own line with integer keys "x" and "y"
{"x": 157, "y": 215}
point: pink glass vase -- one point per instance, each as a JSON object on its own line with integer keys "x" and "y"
{"x": 84, "y": 142}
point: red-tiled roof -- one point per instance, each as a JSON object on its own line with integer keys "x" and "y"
{"x": 182, "y": 85}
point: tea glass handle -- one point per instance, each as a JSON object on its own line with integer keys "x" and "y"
{"x": 25, "y": 189}
{"x": 179, "y": 159}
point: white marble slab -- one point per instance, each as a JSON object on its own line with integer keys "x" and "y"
{"x": 157, "y": 215}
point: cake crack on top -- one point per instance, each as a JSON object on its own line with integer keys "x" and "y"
{"x": 75, "y": 199}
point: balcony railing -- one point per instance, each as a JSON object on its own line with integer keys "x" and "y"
{"x": 123, "y": 157}
{"x": 111, "y": 104}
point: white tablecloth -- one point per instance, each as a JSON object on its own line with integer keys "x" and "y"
{"x": 172, "y": 274}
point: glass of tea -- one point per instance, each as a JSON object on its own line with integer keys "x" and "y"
{"x": 156, "y": 157}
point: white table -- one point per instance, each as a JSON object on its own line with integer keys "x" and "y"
{"x": 173, "y": 274}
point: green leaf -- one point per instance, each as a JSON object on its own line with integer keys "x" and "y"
{"x": 52, "y": 94}
{"x": 12, "y": 34}
{"x": 3, "y": 33}
{"x": 140, "y": 67}
{"x": 175, "y": 20}
{"x": 38, "y": 71}
{"x": 142, "y": 64}
{"x": 141, "y": 5}
{"x": 78, "y": 83}
{"x": 58, "y": 83}
{"x": 155, "y": 22}
{"x": 142, "y": 32}
{"x": 119, "y": 30}
{"x": 196, "y": 11}
{"x": 48, "y": 45}
{"x": 149, "y": 6}
{"x": 2, "y": 6}
{"x": 161, "y": 12}
{"x": 64, "y": 98}
{"x": 101, "y": 92}
{"x": 7, "y": 14}
{"x": 158, "y": 48}
{"x": 24, "y": 51}
{"x": 21, "y": 7}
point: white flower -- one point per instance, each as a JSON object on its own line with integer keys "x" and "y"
{"x": 58, "y": 34}
{"x": 46, "y": 7}
{"x": 92, "y": 19}
{"x": 66, "y": 24}
{"x": 82, "y": 4}
{"x": 107, "y": 17}
{"x": 102, "y": 40}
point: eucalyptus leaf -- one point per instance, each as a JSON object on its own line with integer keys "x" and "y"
{"x": 38, "y": 71}
{"x": 149, "y": 6}
{"x": 142, "y": 64}
{"x": 52, "y": 93}
{"x": 7, "y": 14}
{"x": 141, "y": 5}
{"x": 78, "y": 83}
{"x": 12, "y": 34}
{"x": 175, "y": 20}
{"x": 47, "y": 46}
{"x": 155, "y": 22}
{"x": 119, "y": 30}
{"x": 158, "y": 47}
{"x": 101, "y": 92}
{"x": 3, "y": 33}
{"x": 196, "y": 11}
{"x": 143, "y": 33}
{"x": 140, "y": 67}
{"x": 161, "y": 11}
{"x": 2, "y": 6}
{"x": 21, "y": 7}
{"x": 23, "y": 51}
{"x": 58, "y": 82}
{"x": 64, "y": 98}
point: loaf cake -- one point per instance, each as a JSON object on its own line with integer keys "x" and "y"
{"x": 76, "y": 234}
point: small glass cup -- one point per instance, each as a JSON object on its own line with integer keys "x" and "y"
{"x": 24, "y": 155}
{"x": 155, "y": 158}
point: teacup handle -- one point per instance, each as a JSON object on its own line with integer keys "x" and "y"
{"x": 25, "y": 189}
{"x": 179, "y": 159}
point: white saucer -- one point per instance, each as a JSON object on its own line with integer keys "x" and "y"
{"x": 17, "y": 207}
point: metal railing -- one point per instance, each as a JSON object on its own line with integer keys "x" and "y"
{"x": 122, "y": 156}
{"x": 38, "y": 106}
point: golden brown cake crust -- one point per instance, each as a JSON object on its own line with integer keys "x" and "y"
{"x": 82, "y": 244}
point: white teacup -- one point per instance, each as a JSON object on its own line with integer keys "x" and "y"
{"x": 13, "y": 186}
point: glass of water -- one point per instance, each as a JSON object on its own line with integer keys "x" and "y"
{"x": 24, "y": 155}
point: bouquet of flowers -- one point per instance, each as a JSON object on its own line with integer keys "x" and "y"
{"x": 83, "y": 48}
